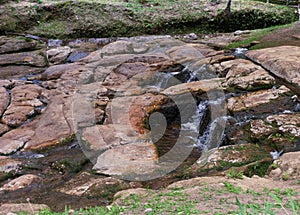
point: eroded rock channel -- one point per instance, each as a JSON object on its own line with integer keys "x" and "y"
{"x": 136, "y": 112}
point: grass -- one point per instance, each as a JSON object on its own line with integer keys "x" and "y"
{"x": 102, "y": 18}
{"x": 177, "y": 201}
{"x": 255, "y": 36}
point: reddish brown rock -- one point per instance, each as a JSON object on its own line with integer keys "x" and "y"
{"x": 17, "y": 115}
{"x": 3, "y": 128}
{"x": 198, "y": 87}
{"x": 8, "y": 146}
{"x": 52, "y": 126}
{"x": 54, "y": 72}
{"x": 128, "y": 161}
{"x": 245, "y": 75}
{"x": 282, "y": 61}
{"x": 4, "y": 100}
{"x": 24, "y": 100}
{"x": 21, "y": 182}
{"x": 132, "y": 111}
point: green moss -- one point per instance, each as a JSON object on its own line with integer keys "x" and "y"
{"x": 53, "y": 29}
{"x": 258, "y": 168}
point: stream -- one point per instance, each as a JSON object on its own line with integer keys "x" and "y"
{"x": 199, "y": 120}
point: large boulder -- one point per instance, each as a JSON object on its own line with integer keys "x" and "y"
{"x": 287, "y": 166}
{"x": 245, "y": 75}
{"x": 282, "y": 61}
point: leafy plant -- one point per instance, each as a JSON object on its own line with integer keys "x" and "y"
{"x": 235, "y": 174}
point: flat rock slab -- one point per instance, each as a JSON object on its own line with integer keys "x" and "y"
{"x": 13, "y": 44}
{"x": 8, "y": 146}
{"x": 245, "y": 75}
{"x": 128, "y": 161}
{"x": 19, "y": 71}
{"x": 282, "y": 61}
{"x": 35, "y": 58}
{"x": 254, "y": 99}
{"x": 24, "y": 100}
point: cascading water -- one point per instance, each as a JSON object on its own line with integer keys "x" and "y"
{"x": 198, "y": 128}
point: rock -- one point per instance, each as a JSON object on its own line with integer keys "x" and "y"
{"x": 131, "y": 161}
{"x": 3, "y": 128}
{"x": 120, "y": 196}
{"x": 184, "y": 54}
{"x": 21, "y": 182}
{"x": 123, "y": 47}
{"x": 4, "y": 100}
{"x": 8, "y": 146}
{"x": 14, "y": 44}
{"x": 281, "y": 61}
{"x": 137, "y": 68}
{"x": 287, "y": 123}
{"x": 255, "y": 99}
{"x": 260, "y": 129}
{"x": 133, "y": 111}
{"x": 58, "y": 55}
{"x": 22, "y": 207}
{"x": 103, "y": 137}
{"x": 54, "y": 72}
{"x": 35, "y": 58}
{"x": 15, "y": 116}
{"x": 221, "y": 41}
{"x": 54, "y": 125}
{"x": 8, "y": 164}
{"x": 245, "y": 75}
{"x": 288, "y": 166}
{"x": 86, "y": 185}
{"x": 76, "y": 56}
{"x": 227, "y": 156}
{"x": 24, "y": 100}
{"x": 19, "y": 71}
{"x": 191, "y": 36}
{"x": 239, "y": 32}
{"x": 196, "y": 87}
{"x": 22, "y": 134}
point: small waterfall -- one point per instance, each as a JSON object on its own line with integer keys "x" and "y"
{"x": 163, "y": 80}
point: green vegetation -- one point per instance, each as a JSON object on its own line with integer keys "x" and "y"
{"x": 177, "y": 201}
{"x": 269, "y": 207}
{"x": 93, "y": 18}
{"x": 235, "y": 174}
{"x": 256, "y": 35}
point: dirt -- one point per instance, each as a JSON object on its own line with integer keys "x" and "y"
{"x": 285, "y": 36}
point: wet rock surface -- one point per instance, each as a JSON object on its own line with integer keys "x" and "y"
{"x": 113, "y": 101}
